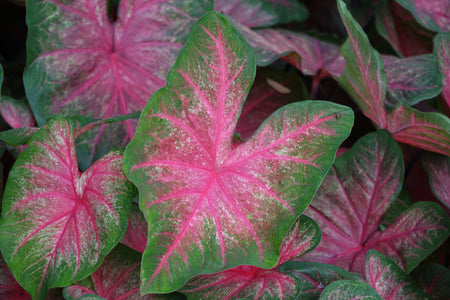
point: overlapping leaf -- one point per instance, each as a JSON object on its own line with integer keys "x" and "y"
{"x": 438, "y": 170}
{"x": 57, "y": 223}
{"x": 434, "y": 279}
{"x": 389, "y": 280}
{"x": 209, "y": 206}
{"x": 434, "y": 15}
{"x": 9, "y": 287}
{"x": 355, "y": 195}
{"x": 16, "y": 112}
{"x": 442, "y": 50}
{"x": 136, "y": 235}
{"x": 80, "y": 62}
{"x": 249, "y": 282}
{"x": 348, "y": 289}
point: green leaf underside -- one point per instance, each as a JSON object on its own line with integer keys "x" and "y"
{"x": 57, "y": 223}
{"x": 210, "y": 207}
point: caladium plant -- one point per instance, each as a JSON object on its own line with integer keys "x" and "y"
{"x": 243, "y": 192}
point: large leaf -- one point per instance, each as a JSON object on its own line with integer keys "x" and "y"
{"x": 363, "y": 77}
{"x": 116, "y": 278}
{"x": 438, "y": 170}
{"x": 249, "y": 282}
{"x": 80, "y": 62}
{"x": 442, "y": 50}
{"x": 314, "y": 277}
{"x": 434, "y": 15}
{"x": 348, "y": 289}
{"x": 389, "y": 280}
{"x": 355, "y": 195}
{"x": 57, "y": 223}
{"x": 410, "y": 80}
{"x": 434, "y": 279}
{"x": 210, "y": 206}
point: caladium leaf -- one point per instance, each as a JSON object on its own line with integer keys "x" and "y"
{"x": 363, "y": 77}
{"x": 314, "y": 277}
{"x": 116, "y": 278}
{"x": 433, "y": 15}
{"x": 16, "y": 112}
{"x": 434, "y": 279}
{"x": 438, "y": 170}
{"x": 79, "y": 62}
{"x": 137, "y": 231}
{"x": 270, "y": 91}
{"x": 9, "y": 287}
{"x": 249, "y": 282}
{"x": 348, "y": 289}
{"x": 18, "y": 136}
{"x": 57, "y": 223}
{"x": 442, "y": 51}
{"x": 411, "y": 80}
{"x": 397, "y": 207}
{"x": 388, "y": 279}
{"x": 399, "y": 28}
{"x": 210, "y": 206}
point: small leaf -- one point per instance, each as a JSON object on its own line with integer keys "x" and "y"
{"x": 18, "y": 136}
{"x": 411, "y": 80}
{"x": 314, "y": 277}
{"x": 137, "y": 231}
{"x": 438, "y": 170}
{"x": 57, "y": 223}
{"x": 16, "y": 112}
{"x": 210, "y": 206}
{"x": 389, "y": 280}
{"x": 442, "y": 50}
{"x": 434, "y": 279}
{"x": 363, "y": 78}
{"x": 433, "y": 15}
{"x": 347, "y": 289}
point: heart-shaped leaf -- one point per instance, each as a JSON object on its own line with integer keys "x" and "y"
{"x": 388, "y": 279}
{"x": 434, "y": 15}
{"x": 347, "y": 289}
{"x": 137, "y": 231}
{"x": 438, "y": 170}
{"x": 434, "y": 279}
{"x": 442, "y": 51}
{"x": 210, "y": 206}
{"x": 57, "y": 223}
{"x": 355, "y": 195}
{"x": 249, "y": 282}
{"x": 411, "y": 80}
{"x": 314, "y": 277}
{"x": 80, "y": 62}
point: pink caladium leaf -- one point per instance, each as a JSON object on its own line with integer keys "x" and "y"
{"x": 442, "y": 51}
{"x": 211, "y": 206}
{"x": 249, "y": 282}
{"x": 434, "y": 279}
{"x": 16, "y": 112}
{"x": 389, "y": 280}
{"x": 398, "y": 27}
{"x": 270, "y": 91}
{"x": 9, "y": 287}
{"x": 438, "y": 170}
{"x": 57, "y": 223}
{"x": 411, "y": 80}
{"x": 82, "y": 63}
{"x": 356, "y": 193}
{"x": 349, "y": 289}
{"x": 434, "y": 15}
{"x": 116, "y": 278}
{"x": 137, "y": 231}
{"x": 314, "y": 277}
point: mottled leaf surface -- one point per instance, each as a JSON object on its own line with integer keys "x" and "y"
{"x": 137, "y": 231}
{"x": 314, "y": 277}
{"x": 397, "y": 207}
{"x": 434, "y": 15}
{"x": 16, "y": 112}
{"x": 389, "y": 280}
{"x": 249, "y": 282}
{"x": 438, "y": 170}
{"x": 434, "y": 279}
{"x": 57, "y": 223}
{"x": 79, "y": 62}
{"x": 210, "y": 206}
{"x": 411, "y": 80}
{"x": 347, "y": 289}
{"x": 442, "y": 50}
